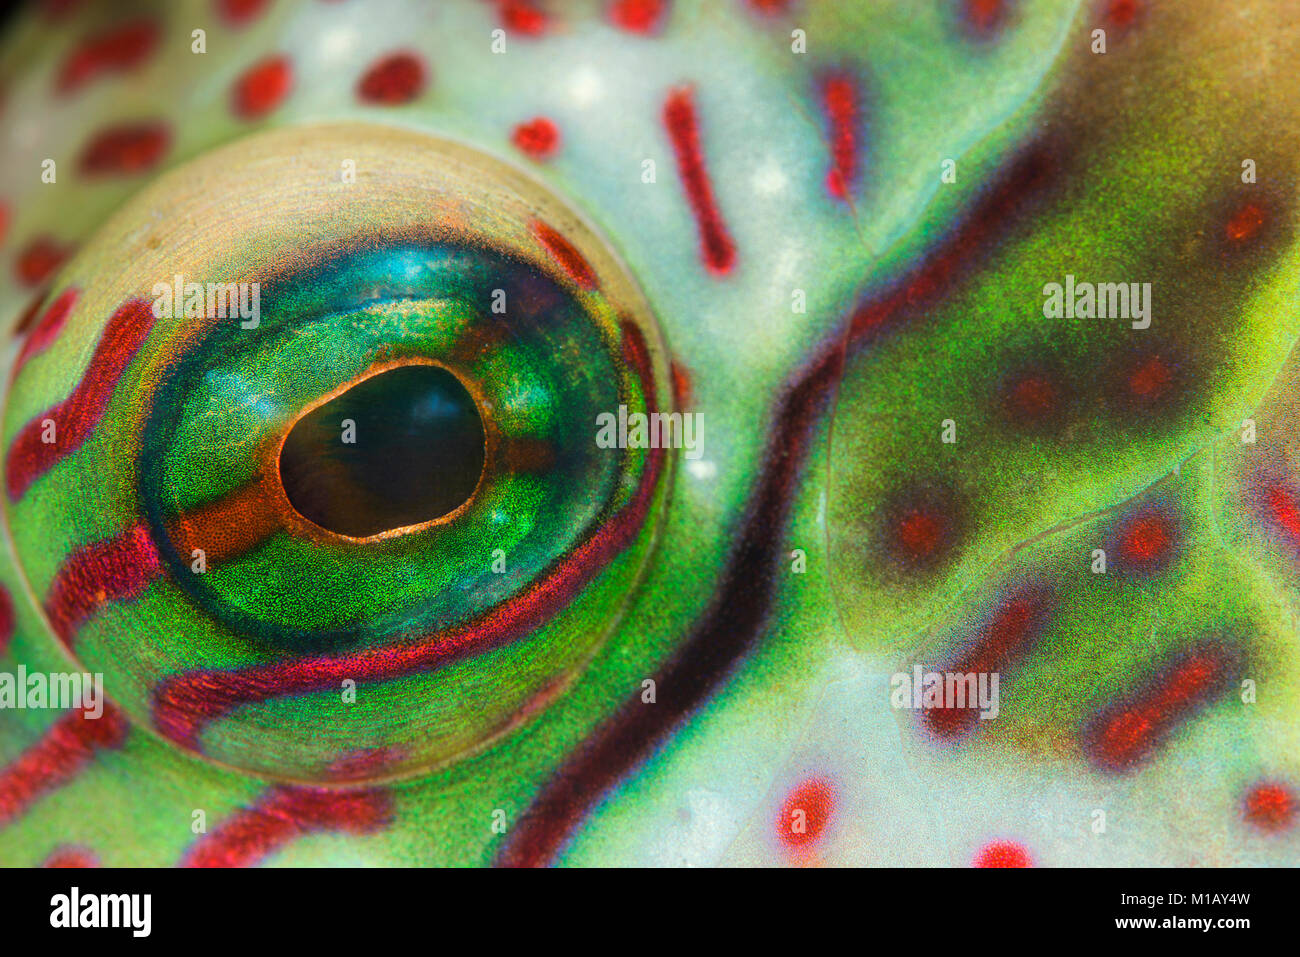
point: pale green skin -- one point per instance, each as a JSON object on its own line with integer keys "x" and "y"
{"x": 812, "y": 699}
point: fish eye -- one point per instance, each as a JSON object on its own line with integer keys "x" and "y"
{"x": 325, "y": 481}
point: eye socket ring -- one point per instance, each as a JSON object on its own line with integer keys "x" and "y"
{"x": 446, "y": 647}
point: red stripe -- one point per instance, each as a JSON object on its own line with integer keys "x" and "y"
{"x": 742, "y": 601}
{"x": 927, "y": 282}
{"x": 1010, "y": 635}
{"x": 47, "y": 328}
{"x": 716, "y": 245}
{"x": 284, "y": 813}
{"x": 102, "y": 572}
{"x": 125, "y": 150}
{"x": 840, "y": 97}
{"x": 563, "y": 251}
{"x": 119, "y": 49}
{"x": 1125, "y": 734}
{"x": 76, "y": 417}
{"x": 55, "y": 760}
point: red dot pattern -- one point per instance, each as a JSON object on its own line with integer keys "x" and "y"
{"x": 1003, "y": 854}
{"x": 117, "y": 50}
{"x": 1271, "y": 807}
{"x": 237, "y": 13}
{"x": 262, "y": 87}
{"x": 538, "y": 138}
{"x": 638, "y": 16}
{"x": 125, "y": 149}
{"x": 523, "y": 16}
{"x": 1245, "y": 224}
{"x": 805, "y": 814}
{"x": 393, "y": 80}
{"x": 39, "y": 260}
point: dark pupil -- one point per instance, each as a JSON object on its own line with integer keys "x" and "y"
{"x": 417, "y": 453}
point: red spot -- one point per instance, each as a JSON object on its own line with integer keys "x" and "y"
{"x": 1123, "y": 13}
{"x": 1126, "y": 733}
{"x": 4, "y": 221}
{"x": 111, "y": 570}
{"x": 71, "y": 857}
{"x": 840, "y": 98}
{"x": 717, "y": 247}
{"x": 1003, "y": 854}
{"x": 67, "y": 747}
{"x": 125, "y": 149}
{"x": 770, "y": 8}
{"x": 1270, "y": 807}
{"x": 805, "y": 814}
{"x": 523, "y": 16}
{"x": 1150, "y": 379}
{"x": 1245, "y": 223}
{"x": 397, "y": 78}
{"x": 984, "y": 16}
{"x": 117, "y": 50}
{"x": 237, "y": 13}
{"x": 919, "y": 526}
{"x": 76, "y": 417}
{"x": 1032, "y": 399}
{"x": 539, "y": 138}
{"x": 39, "y": 260}
{"x": 283, "y": 814}
{"x": 563, "y": 252}
{"x": 47, "y": 329}
{"x": 1146, "y": 538}
{"x": 262, "y": 87}
{"x": 920, "y": 532}
{"x": 1284, "y": 509}
{"x": 638, "y": 16}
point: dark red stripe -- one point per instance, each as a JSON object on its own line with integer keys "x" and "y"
{"x": 564, "y": 253}
{"x": 56, "y": 759}
{"x": 742, "y": 601}
{"x": 283, "y": 814}
{"x": 125, "y": 149}
{"x": 112, "y": 570}
{"x": 841, "y": 100}
{"x": 77, "y": 416}
{"x": 1125, "y": 734}
{"x": 716, "y": 245}
{"x": 118, "y": 49}
{"x": 1010, "y": 635}
{"x": 47, "y": 328}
